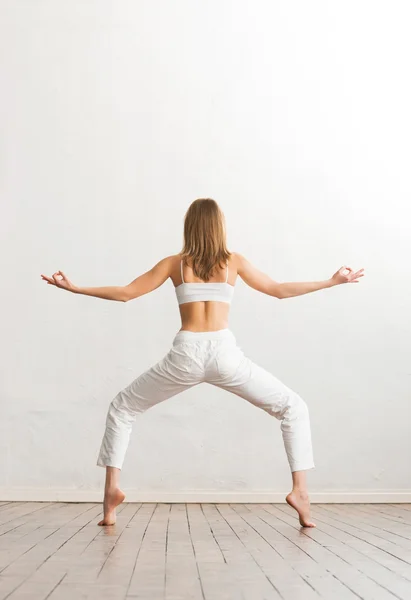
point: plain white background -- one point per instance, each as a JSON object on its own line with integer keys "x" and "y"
{"x": 295, "y": 117}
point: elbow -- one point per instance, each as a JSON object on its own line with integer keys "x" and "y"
{"x": 283, "y": 293}
{"x": 279, "y": 293}
{"x": 125, "y": 296}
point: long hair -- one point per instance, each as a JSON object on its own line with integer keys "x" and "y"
{"x": 204, "y": 238}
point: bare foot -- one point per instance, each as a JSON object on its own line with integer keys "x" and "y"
{"x": 112, "y": 498}
{"x": 301, "y": 503}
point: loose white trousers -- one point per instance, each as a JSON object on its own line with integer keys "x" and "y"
{"x": 215, "y": 358}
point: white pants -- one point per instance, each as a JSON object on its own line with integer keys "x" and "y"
{"x": 215, "y": 358}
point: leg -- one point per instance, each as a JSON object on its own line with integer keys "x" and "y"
{"x": 239, "y": 375}
{"x": 167, "y": 378}
{"x": 299, "y": 500}
{"x": 113, "y": 496}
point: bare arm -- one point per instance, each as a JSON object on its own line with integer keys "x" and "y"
{"x": 143, "y": 284}
{"x": 265, "y": 284}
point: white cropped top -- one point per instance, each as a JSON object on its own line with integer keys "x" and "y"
{"x": 204, "y": 291}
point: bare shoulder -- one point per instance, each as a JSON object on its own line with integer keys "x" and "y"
{"x": 173, "y": 259}
{"x": 172, "y": 265}
{"x": 236, "y": 257}
{"x": 237, "y": 261}
{"x": 167, "y": 265}
{"x": 164, "y": 262}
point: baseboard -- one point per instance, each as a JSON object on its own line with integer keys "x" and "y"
{"x": 132, "y": 495}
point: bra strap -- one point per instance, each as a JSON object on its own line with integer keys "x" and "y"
{"x": 181, "y": 269}
{"x": 226, "y": 279}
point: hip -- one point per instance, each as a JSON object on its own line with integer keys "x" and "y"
{"x": 187, "y": 336}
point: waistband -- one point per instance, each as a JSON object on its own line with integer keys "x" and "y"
{"x": 195, "y": 336}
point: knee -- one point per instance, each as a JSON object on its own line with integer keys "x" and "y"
{"x": 296, "y": 409}
{"x": 124, "y": 407}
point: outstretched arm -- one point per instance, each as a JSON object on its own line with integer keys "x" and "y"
{"x": 263, "y": 283}
{"x": 143, "y": 284}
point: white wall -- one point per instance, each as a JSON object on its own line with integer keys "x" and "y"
{"x": 295, "y": 116}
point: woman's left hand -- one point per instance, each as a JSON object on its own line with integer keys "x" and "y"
{"x": 347, "y": 275}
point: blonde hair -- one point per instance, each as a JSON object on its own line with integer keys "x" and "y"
{"x": 204, "y": 238}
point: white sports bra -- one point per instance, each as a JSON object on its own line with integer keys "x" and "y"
{"x": 197, "y": 292}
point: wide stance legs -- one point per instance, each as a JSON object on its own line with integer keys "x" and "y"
{"x": 113, "y": 496}
{"x": 215, "y": 358}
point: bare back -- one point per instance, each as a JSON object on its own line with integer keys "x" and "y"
{"x": 203, "y": 315}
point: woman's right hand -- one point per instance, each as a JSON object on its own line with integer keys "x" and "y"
{"x": 59, "y": 280}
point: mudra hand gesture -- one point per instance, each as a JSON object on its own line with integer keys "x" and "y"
{"x": 59, "y": 280}
{"x": 347, "y": 275}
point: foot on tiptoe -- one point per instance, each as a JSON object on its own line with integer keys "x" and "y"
{"x": 112, "y": 498}
{"x": 300, "y": 501}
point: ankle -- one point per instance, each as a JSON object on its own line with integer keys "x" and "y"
{"x": 110, "y": 488}
{"x": 302, "y": 492}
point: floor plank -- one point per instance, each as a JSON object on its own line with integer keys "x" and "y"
{"x": 56, "y": 551}
{"x": 297, "y": 553}
{"x": 382, "y": 526}
{"x": 181, "y": 560}
{"x": 367, "y": 572}
{"x": 252, "y": 568}
{"x": 357, "y": 528}
{"x": 148, "y": 577}
{"x": 49, "y": 542}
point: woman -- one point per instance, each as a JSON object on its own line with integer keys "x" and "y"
{"x": 204, "y": 349}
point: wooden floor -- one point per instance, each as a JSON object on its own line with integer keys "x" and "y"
{"x": 204, "y": 551}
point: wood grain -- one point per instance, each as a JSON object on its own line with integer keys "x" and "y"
{"x": 56, "y": 551}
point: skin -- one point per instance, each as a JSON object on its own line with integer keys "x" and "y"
{"x": 205, "y": 316}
